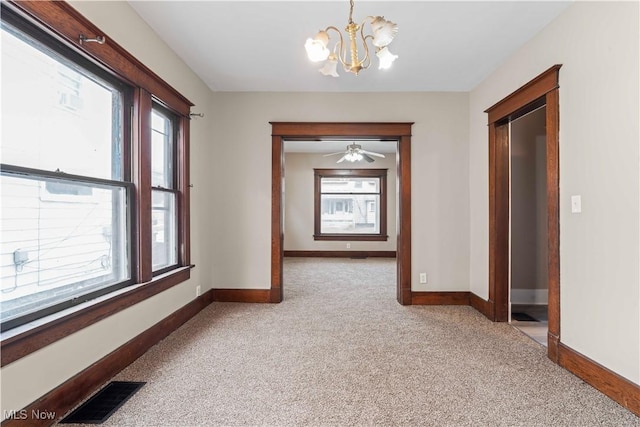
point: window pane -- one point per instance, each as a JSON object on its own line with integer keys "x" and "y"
{"x": 60, "y": 240}
{"x": 164, "y": 230}
{"x": 350, "y": 185}
{"x": 350, "y": 214}
{"x": 161, "y": 151}
{"x": 56, "y": 115}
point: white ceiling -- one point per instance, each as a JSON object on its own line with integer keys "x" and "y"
{"x": 259, "y": 45}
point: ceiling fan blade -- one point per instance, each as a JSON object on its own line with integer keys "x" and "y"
{"x": 372, "y": 153}
{"x": 342, "y": 159}
{"x": 367, "y": 158}
{"x": 333, "y": 154}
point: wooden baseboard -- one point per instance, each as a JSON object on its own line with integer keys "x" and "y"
{"x": 483, "y": 306}
{"x": 73, "y": 391}
{"x": 440, "y": 298}
{"x": 341, "y": 254}
{"x": 244, "y": 295}
{"x": 606, "y": 381}
{"x": 553, "y": 347}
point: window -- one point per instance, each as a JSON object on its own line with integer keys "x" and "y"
{"x": 163, "y": 195}
{"x": 350, "y": 204}
{"x": 90, "y": 203}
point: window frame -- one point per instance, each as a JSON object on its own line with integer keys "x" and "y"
{"x": 170, "y": 148}
{"x": 63, "y": 26}
{"x": 349, "y": 173}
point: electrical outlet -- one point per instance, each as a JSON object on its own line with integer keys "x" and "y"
{"x": 348, "y": 245}
{"x": 198, "y": 290}
{"x": 423, "y": 277}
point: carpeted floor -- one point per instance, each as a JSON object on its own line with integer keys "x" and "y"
{"x": 340, "y": 351}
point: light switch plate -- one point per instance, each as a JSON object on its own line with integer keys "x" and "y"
{"x": 576, "y": 204}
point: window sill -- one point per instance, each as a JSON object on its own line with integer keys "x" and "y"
{"x": 352, "y": 237}
{"x": 23, "y": 340}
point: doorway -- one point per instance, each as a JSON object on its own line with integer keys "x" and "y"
{"x": 401, "y": 132}
{"x": 541, "y": 91}
{"x": 528, "y": 296}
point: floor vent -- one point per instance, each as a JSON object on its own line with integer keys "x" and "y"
{"x": 523, "y": 317}
{"x": 103, "y": 404}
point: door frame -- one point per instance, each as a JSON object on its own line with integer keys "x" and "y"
{"x": 542, "y": 90}
{"x": 328, "y": 130}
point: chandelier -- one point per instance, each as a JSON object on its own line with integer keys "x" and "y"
{"x": 382, "y": 33}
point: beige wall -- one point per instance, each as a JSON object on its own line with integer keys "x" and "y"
{"x": 597, "y": 43}
{"x": 241, "y": 184}
{"x": 29, "y": 378}
{"x": 299, "y": 202}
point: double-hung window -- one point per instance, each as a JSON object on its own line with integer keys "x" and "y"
{"x": 93, "y": 171}
{"x": 350, "y": 204}
{"x": 164, "y": 194}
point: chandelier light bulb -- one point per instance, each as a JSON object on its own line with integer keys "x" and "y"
{"x": 386, "y": 58}
{"x": 331, "y": 66}
{"x": 317, "y": 47}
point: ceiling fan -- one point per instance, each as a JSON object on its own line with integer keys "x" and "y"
{"x": 355, "y": 153}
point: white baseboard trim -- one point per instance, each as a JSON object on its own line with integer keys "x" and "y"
{"x": 529, "y": 296}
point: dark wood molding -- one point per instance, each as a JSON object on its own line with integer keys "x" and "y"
{"x": 142, "y": 178}
{"x": 67, "y": 23}
{"x": 530, "y": 92}
{"x": 318, "y": 174}
{"x": 341, "y": 254}
{"x": 351, "y": 237}
{"x": 401, "y": 132}
{"x": 542, "y": 90}
{"x": 277, "y": 217}
{"x": 440, "y": 298}
{"x": 483, "y": 306}
{"x": 336, "y": 129}
{"x": 553, "y": 347}
{"x": 184, "y": 201}
{"x": 403, "y": 242}
{"x": 553, "y": 213}
{"x": 14, "y": 347}
{"x": 66, "y": 396}
{"x": 499, "y": 240}
{"x": 245, "y": 295}
{"x": 618, "y": 388}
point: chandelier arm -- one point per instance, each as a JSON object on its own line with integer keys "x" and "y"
{"x": 367, "y": 58}
{"x": 342, "y": 53}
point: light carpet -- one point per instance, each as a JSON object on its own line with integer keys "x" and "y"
{"x": 340, "y": 351}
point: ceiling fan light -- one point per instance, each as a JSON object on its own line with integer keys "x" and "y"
{"x": 385, "y": 58}
{"x": 317, "y": 47}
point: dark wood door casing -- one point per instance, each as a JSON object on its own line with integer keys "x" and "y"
{"x": 543, "y": 90}
{"x": 400, "y": 132}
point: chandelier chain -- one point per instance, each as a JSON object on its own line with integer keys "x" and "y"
{"x": 351, "y": 13}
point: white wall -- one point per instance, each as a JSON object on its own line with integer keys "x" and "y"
{"x": 25, "y": 380}
{"x": 299, "y": 202}
{"x": 597, "y": 43}
{"x": 241, "y": 184}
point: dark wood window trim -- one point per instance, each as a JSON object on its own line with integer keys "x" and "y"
{"x": 64, "y": 23}
{"x": 355, "y": 173}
